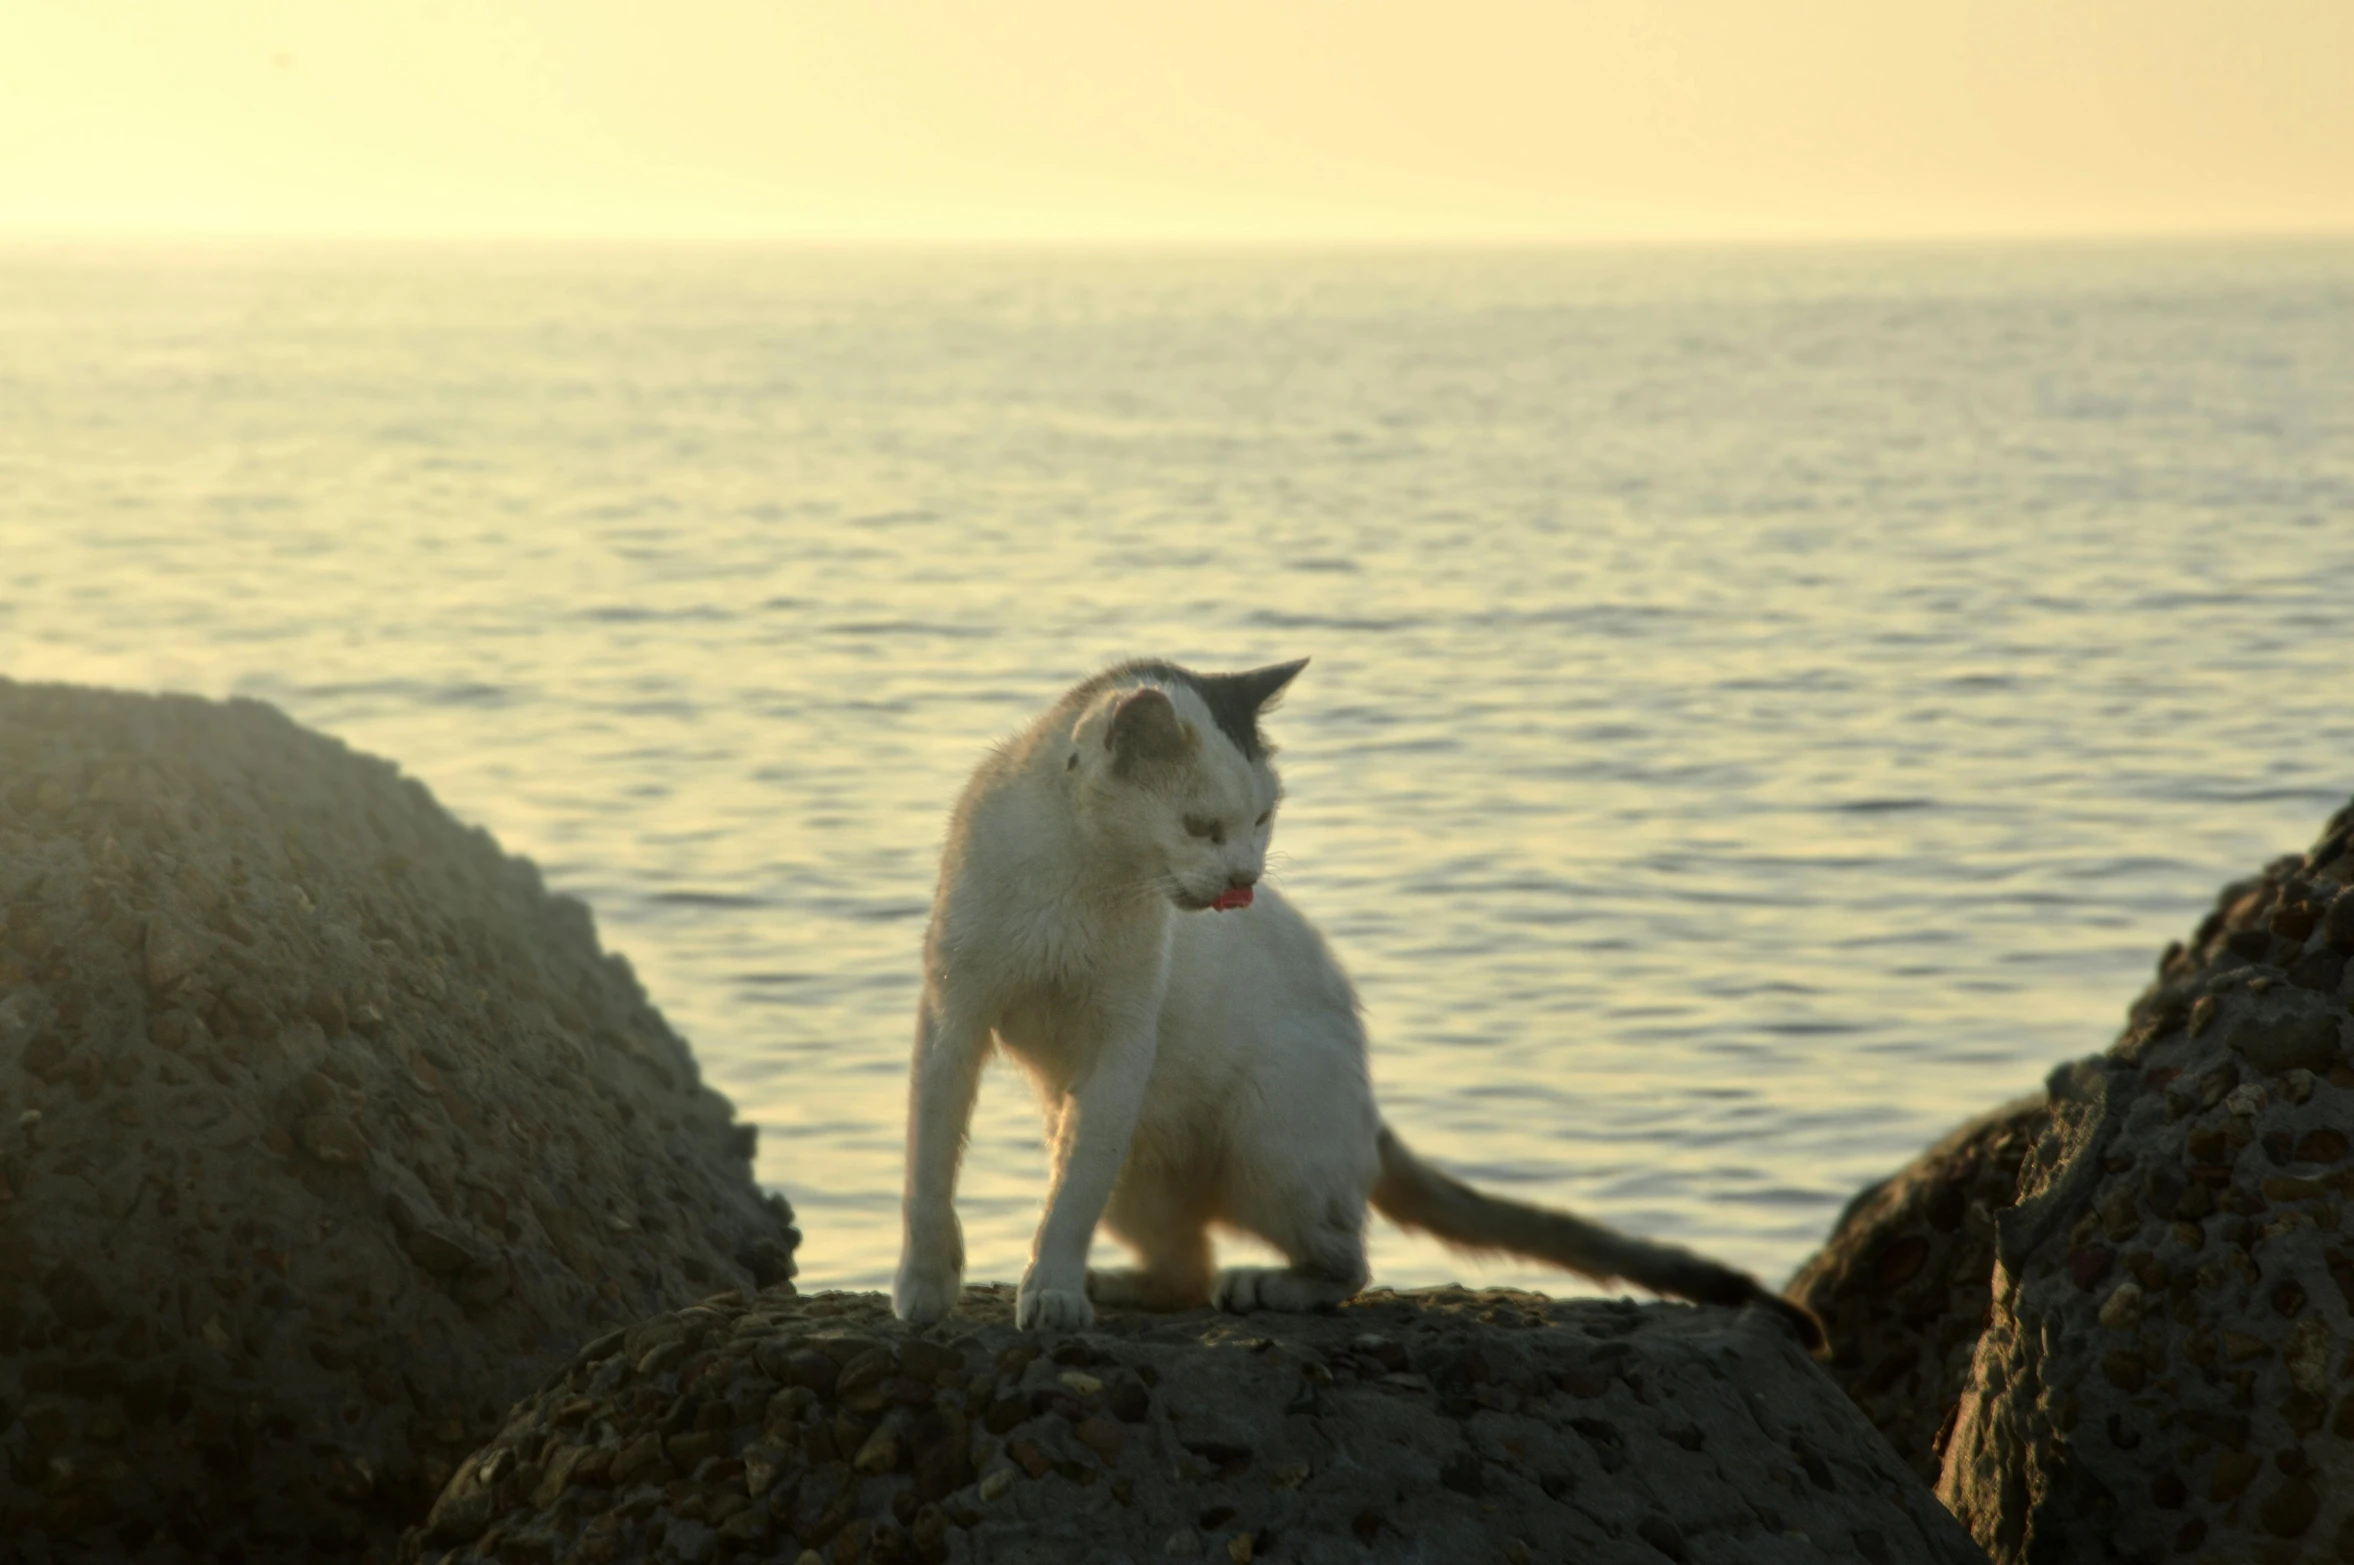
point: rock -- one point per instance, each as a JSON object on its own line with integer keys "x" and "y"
{"x": 25, "y": 1015}
{"x": 331, "y": 1139}
{"x": 2173, "y": 1291}
{"x": 1903, "y": 1283}
{"x": 2294, "y": 1030}
{"x": 1476, "y": 1425}
{"x": 172, "y": 953}
{"x": 320, "y": 1114}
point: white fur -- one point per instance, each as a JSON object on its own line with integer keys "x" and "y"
{"x": 1197, "y": 1066}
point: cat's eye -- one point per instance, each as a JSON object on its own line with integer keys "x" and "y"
{"x": 1263, "y": 817}
{"x": 1195, "y": 826}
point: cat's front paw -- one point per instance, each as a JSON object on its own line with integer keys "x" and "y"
{"x": 924, "y": 1292}
{"x": 1053, "y": 1309}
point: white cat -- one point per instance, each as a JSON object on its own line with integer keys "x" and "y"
{"x": 1199, "y": 1067}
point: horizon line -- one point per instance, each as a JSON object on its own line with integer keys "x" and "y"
{"x": 161, "y": 237}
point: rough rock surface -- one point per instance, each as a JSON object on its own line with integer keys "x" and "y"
{"x": 1446, "y": 1425}
{"x": 1905, "y": 1281}
{"x": 2169, "y": 1368}
{"x": 325, "y": 1132}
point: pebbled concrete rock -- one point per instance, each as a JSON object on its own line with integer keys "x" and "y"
{"x": 2168, "y": 1370}
{"x": 1446, "y": 1424}
{"x": 325, "y": 1132}
{"x": 1904, "y": 1284}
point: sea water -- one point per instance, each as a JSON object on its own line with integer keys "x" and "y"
{"x": 1766, "y": 705}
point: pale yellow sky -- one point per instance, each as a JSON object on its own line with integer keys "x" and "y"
{"x": 1284, "y": 121}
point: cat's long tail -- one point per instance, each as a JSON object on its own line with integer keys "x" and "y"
{"x": 1413, "y": 1194}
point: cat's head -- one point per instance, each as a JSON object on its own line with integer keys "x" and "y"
{"x": 1172, "y": 770}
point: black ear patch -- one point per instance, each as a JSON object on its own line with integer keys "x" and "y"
{"x": 1235, "y": 700}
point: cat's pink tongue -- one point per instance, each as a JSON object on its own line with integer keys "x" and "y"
{"x": 1233, "y": 897}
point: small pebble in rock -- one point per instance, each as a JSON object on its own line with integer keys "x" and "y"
{"x": 662, "y": 1356}
{"x": 1103, "y": 1436}
{"x": 881, "y": 1452}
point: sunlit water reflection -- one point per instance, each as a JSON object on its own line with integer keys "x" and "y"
{"x": 1765, "y": 706}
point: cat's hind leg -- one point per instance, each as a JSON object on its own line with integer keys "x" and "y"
{"x": 1312, "y": 1208}
{"x": 1164, "y": 1217}
{"x": 1325, "y": 1242}
{"x": 1301, "y": 1161}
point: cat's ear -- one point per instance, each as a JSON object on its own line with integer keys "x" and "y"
{"x": 1259, "y": 686}
{"x": 1144, "y": 732}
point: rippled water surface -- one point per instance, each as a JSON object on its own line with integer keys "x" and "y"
{"x": 1766, "y": 706}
